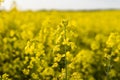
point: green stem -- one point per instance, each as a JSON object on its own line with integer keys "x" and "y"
{"x": 65, "y": 53}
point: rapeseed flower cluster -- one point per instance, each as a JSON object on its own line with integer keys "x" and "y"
{"x": 47, "y": 44}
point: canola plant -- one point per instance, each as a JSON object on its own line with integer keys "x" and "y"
{"x": 60, "y": 45}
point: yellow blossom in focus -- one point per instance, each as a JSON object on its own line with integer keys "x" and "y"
{"x": 26, "y": 71}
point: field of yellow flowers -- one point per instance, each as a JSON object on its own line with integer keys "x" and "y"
{"x": 60, "y": 45}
